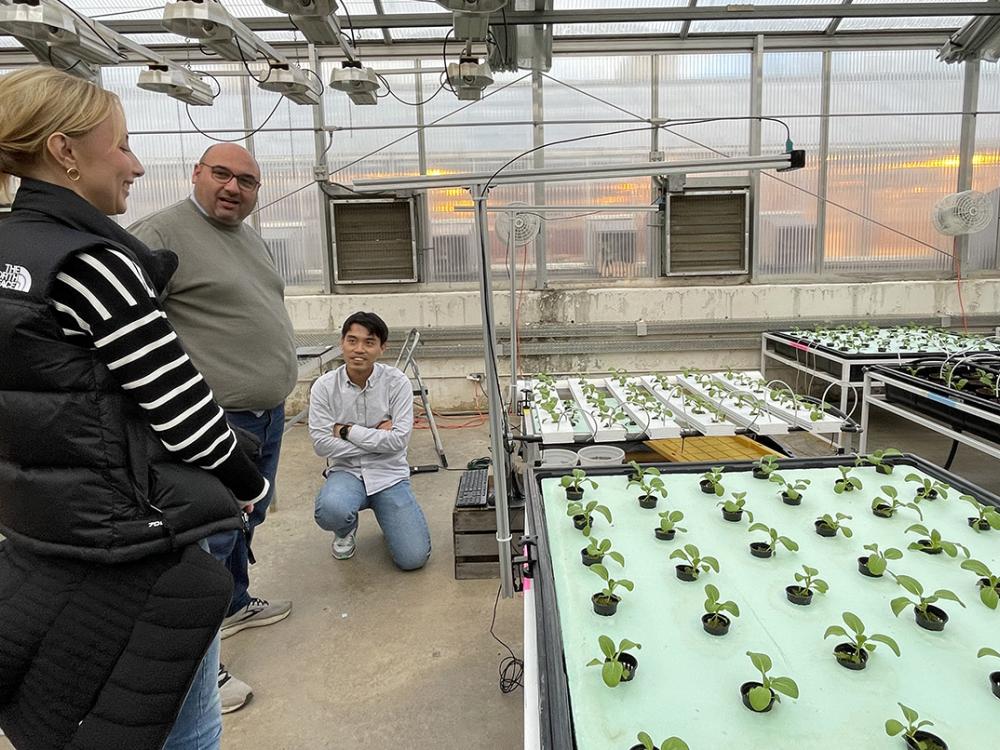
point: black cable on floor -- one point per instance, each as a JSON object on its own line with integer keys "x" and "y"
{"x": 951, "y": 453}
{"x": 511, "y": 668}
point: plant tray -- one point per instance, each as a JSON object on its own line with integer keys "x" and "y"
{"x": 602, "y": 432}
{"x": 763, "y": 423}
{"x": 701, "y": 422}
{"x": 797, "y": 415}
{"x": 657, "y": 427}
{"x": 689, "y": 685}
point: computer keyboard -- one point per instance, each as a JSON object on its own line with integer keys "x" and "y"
{"x": 473, "y": 486}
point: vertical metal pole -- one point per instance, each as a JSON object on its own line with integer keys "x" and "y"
{"x": 967, "y": 145}
{"x": 248, "y": 128}
{"x": 512, "y": 254}
{"x": 658, "y": 247}
{"x": 421, "y": 138}
{"x": 321, "y": 171}
{"x": 426, "y": 246}
{"x": 756, "y": 108}
{"x": 822, "y": 178}
{"x": 867, "y": 391}
{"x": 498, "y": 437}
{"x": 538, "y": 162}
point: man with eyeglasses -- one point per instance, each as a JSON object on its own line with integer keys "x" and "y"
{"x": 226, "y": 302}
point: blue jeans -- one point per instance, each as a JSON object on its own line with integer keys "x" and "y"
{"x": 230, "y": 547}
{"x": 199, "y": 724}
{"x": 343, "y": 496}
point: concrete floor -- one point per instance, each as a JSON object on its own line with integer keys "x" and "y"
{"x": 372, "y": 657}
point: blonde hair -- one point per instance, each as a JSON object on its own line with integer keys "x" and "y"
{"x": 39, "y": 101}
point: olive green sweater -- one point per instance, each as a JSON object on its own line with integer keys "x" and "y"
{"x": 226, "y": 302}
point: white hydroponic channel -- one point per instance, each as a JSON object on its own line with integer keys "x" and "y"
{"x": 687, "y": 683}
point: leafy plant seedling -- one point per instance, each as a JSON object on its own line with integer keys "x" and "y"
{"x": 989, "y": 583}
{"x": 671, "y": 743}
{"x": 806, "y": 584}
{"x": 877, "y": 561}
{"x": 987, "y": 517}
{"x": 764, "y": 466}
{"x": 846, "y": 483}
{"x": 927, "y": 615}
{"x": 933, "y": 544}
{"x": 927, "y": 488}
{"x": 711, "y": 482}
{"x": 583, "y": 517}
{"x": 760, "y": 696}
{"x": 694, "y": 563}
{"x": 878, "y": 460}
{"x": 733, "y": 510}
{"x": 769, "y": 548}
{"x": 915, "y": 737}
{"x": 827, "y": 525}
{"x": 886, "y": 507}
{"x": 668, "y": 524}
{"x": 574, "y": 484}
{"x": 792, "y": 490}
{"x": 713, "y": 620}
{"x": 617, "y": 666}
{"x": 855, "y": 652}
{"x": 595, "y": 551}
{"x": 649, "y": 482}
{"x": 994, "y": 676}
{"x": 606, "y": 600}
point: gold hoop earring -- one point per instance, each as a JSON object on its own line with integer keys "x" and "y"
{"x": 73, "y": 173}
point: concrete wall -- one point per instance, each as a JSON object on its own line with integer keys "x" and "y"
{"x": 699, "y": 314}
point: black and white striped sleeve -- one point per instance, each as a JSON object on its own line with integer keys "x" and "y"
{"x": 101, "y": 298}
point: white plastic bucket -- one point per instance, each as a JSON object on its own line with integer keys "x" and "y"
{"x": 556, "y": 457}
{"x": 601, "y": 455}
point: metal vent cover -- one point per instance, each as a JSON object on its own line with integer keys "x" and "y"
{"x": 374, "y": 241}
{"x": 707, "y": 232}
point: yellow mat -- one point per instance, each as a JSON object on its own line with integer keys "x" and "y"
{"x": 704, "y": 449}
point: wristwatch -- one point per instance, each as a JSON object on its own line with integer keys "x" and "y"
{"x": 344, "y": 429}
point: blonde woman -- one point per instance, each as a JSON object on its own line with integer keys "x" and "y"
{"x": 115, "y": 460}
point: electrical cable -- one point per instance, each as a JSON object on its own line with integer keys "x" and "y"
{"x": 246, "y": 65}
{"x": 350, "y": 25}
{"x": 52, "y": 62}
{"x": 444, "y": 59}
{"x": 86, "y": 22}
{"x": 392, "y": 93}
{"x": 187, "y": 108}
{"x": 511, "y": 668}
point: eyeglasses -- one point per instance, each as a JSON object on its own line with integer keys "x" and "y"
{"x": 223, "y": 176}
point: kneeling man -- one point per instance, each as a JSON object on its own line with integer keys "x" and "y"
{"x": 360, "y": 421}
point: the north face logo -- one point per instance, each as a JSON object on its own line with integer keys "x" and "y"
{"x": 15, "y": 277}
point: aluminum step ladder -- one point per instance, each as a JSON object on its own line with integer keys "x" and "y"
{"x": 407, "y": 361}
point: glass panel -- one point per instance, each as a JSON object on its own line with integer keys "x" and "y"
{"x": 891, "y": 81}
{"x": 616, "y": 29}
{"x": 984, "y": 247}
{"x": 902, "y": 22}
{"x": 775, "y": 25}
{"x": 407, "y": 6}
{"x": 599, "y": 4}
{"x": 621, "y": 82}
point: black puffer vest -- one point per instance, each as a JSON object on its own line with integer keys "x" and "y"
{"x": 82, "y": 474}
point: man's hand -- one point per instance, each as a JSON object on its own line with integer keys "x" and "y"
{"x": 385, "y": 425}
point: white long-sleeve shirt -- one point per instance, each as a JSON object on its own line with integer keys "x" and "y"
{"x": 376, "y": 457}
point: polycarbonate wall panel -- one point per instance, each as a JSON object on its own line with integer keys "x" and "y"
{"x": 894, "y": 81}
{"x": 984, "y": 253}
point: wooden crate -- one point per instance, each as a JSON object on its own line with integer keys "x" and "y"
{"x": 706, "y": 449}
{"x": 474, "y": 531}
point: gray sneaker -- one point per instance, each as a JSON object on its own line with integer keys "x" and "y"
{"x": 343, "y": 547}
{"x": 234, "y": 692}
{"x": 257, "y": 614}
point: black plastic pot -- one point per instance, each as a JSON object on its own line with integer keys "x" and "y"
{"x": 731, "y": 515}
{"x": 686, "y": 572}
{"x": 603, "y": 607}
{"x": 922, "y": 740}
{"x": 882, "y": 511}
{"x": 715, "y": 624}
{"x": 745, "y": 693}
{"x": 848, "y": 487}
{"x": 707, "y": 487}
{"x": 631, "y": 664}
{"x": 789, "y": 501}
{"x": 935, "y": 619}
{"x": 581, "y": 522}
{"x": 863, "y": 568}
{"x": 647, "y": 501}
{"x": 931, "y": 495}
{"x": 995, "y": 683}
{"x": 575, "y": 494}
{"x": 798, "y": 595}
{"x": 979, "y": 523}
{"x": 924, "y": 546}
{"x": 758, "y": 474}
{"x": 664, "y": 536}
{"x": 823, "y": 529}
{"x": 589, "y": 560}
{"x": 845, "y": 653}
{"x": 761, "y": 549}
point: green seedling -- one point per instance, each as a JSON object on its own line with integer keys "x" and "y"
{"x": 736, "y": 504}
{"x": 921, "y": 603}
{"x": 857, "y": 637}
{"x": 760, "y": 696}
{"x": 892, "y": 502}
{"x": 715, "y": 607}
{"x": 927, "y": 488}
{"x": 669, "y": 519}
{"x": 910, "y": 729}
{"x": 620, "y": 376}
{"x": 987, "y": 651}
{"x": 647, "y": 480}
{"x": 545, "y": 379}
{"x": 775, "y": 538}
{"x": 989, "y": 584}
{"x": 573, "y": 510}
{"x": 877, "y": 459}
{"x": 792, "y": 489}
{"x": 808, "y": 582}
{"x": 692, "y": 557}
{"x": 607, "y": 595}
{"x": 986, "y": 515}
{"x": 602, "y": 548}
{"x": 576, "y": 480}
{"x": 878, "y": 560}
{"x": 846, "y": 483}
{"x": 766, "y": 465}
{"x": 836, "y": 523}
{"x": 671, "y": 743}
{"x": 986, "y": 379}
{"x": 714, "y": 478}
{"x": 612, "y": 669}
{"x": 932, "y": 541}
